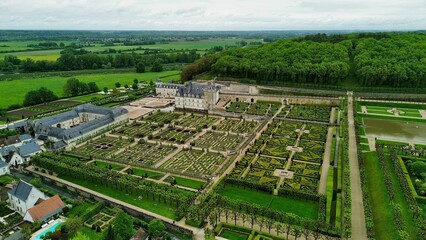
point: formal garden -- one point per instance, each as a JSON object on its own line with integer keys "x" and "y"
{"x": 218, "y": 141}
{"x": 237, "y": 107}
{"x": 196, "y": 121}
{"x": 194, "y": 162}
{"x": 161, "y": 118}
{"x": 174, "y": 135}
{"x": 236, "y": 125}
{"x": 144, "y": 153}
{"x": 103, "y": 146}
{"x": 102, "y": 219}
{"x": 136, "y": 130}
{"x": 310, "y": 112}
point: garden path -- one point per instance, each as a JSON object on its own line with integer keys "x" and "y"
{"x": 358, "y": 218}
{"x": 327, "y": 154}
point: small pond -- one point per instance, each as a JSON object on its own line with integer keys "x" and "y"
{"x": 396, "y": 130}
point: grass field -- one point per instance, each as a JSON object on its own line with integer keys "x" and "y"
{"x": 13, "y": 92}
{"x": 106, "y": 165}
{"x": 188, "y": 182}
{"x": 384, "y": 226}
{"x": 145, "y": 203}
{"x": 301, "y": 208}
{"x": 233, "y": 235}
{"x": 150, "y": 174}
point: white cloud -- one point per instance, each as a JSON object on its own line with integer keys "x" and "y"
{"x": 213, "y": 14}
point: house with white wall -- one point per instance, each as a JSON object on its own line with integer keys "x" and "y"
{"x": 24, "y": 196}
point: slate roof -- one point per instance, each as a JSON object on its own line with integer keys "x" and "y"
{"x": 45, "y": 126}
{"x": 25, "y": 137}
{"x": 194, "y": 90}
{"x": 3, "y": 164}
{"x": 22, "y": 190}
{"x": 29, "y": 148}
{"x": 6, "y": 150}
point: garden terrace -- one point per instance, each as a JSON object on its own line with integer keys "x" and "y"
{"x": 196, "y": 121}
{"x": 308, "y": 156}
{"x": 162, "y": 118}
{"x": 310, "y": 112}
{"x": 313, "y": 146}
{"x": 269, "y": 163}
{"x": 276, "y": 147}
{"x": 241, "y": 166}
{"x": 237, "y": 107}
{"x": 316, "y": 132}
{"x": 136, "y": 130}
{"x": 194, "y": 162}
{"x": 261, "y": 176}
{"x": 305, "y": 169}
{"x": 175, "y": 135}
{"x": 218, "y": 141}
{"x": 143, "y": 154}
{"x": 158, "y": 198}
{"x": 284, "y": 111}
{"x": 236, "y": 126}
{"x": 416, "y": 169}
{"x": 263, "y": 108}
{"x": 103, "y": 146}
{"x": 288, "y": 129}
{"x": 102, "y": 219}
{"x": 301, "y": 184}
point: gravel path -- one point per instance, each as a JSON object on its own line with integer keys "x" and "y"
{"x": 358, "y": 219}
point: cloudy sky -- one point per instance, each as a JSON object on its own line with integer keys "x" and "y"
{"x": 213, "y": 14}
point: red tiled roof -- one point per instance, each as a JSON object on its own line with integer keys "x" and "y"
{"x": 46, "y": 207}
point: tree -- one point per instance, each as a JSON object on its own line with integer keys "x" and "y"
{"x": 157, "y": 67}
{"x": 117, "y": 84}
{"x": 135, "y": 86}
{"x": 74, "y": 87}
{"x": 41, "y": 95}
{"x": 135, "y": 81}
{"x": 73, "y": 225}
{"x": 123, "y": 226}
{"x": 140, "y": 67}
{"x": 80, "y": 236}
{"x": 156, "y": 228}
{"x": 110, "y": 233}
{"x": 105, "y": 90}
{"x": 93, "y": 87}
{"x": 418, "y": 167}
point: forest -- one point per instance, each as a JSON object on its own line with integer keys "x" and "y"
{"x": 369, "y": 59}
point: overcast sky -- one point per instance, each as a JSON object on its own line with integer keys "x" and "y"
{"x": 213, "y": 14}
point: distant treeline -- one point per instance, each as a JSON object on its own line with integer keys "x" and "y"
{"x": 80, "y": 59}
{"x": 373, "y": 59}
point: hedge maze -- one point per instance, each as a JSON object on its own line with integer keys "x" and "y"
{"x": 310, "y": 112}
{"x": 258, "y": 108}
{"x": 145, "y": 153}
{"x": 195, "y": 162}
{"x": 103, "y": 146}
{"x": 162, "y": 118}
{"x": 137, "y": 130}
{"x": 218, "y": 141}
{"x": 236, "y": 126}
{"x": 196, "y": 121}
{"x": 175, "y": 135}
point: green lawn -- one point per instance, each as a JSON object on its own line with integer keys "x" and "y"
{"x": 5, "y": 179}
{"x": 302, "y": 208}
{"x": 189, "y": 182}
{"x": 145, "y": 203}
{"x": 13, "y": 92}
{"x": 384, "y": 226}
{"x": 92, "y": 235}
{"x": 150, "y": 174}
{"x": 106, "y": 165}
{"x": 233, "y": 235}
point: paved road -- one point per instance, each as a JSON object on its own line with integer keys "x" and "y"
{"x": 358, "y": 219}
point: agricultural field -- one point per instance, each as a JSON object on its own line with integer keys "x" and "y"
{"x": 196, "y": 121}
{"x": 13, "y": 92}
{"x": 236, "y": 126}
{"x": 218, "y": 141}
{"x": 194, "y": 162}
{"x": 104, "y": 146}
{"x": 144, "y": 154}
{"x": 136, "y": 130}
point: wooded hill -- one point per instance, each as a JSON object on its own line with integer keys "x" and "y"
{"x": 370, "y": 59}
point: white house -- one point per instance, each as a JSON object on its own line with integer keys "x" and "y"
{"x": 24, "y": 196}
{"x": 197, "y": 96}
{"x": 18, "y": 155}
{"x": 166, "y": 90}
{"x": 4, "y": 167}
